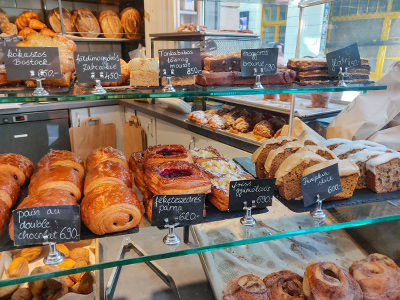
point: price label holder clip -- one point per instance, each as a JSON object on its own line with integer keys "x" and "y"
{"x": 169, "y": 87}
{"x": 55, "y": 257}
{"x": 171, "y": 239}
{"x": 39, "y": 90}
{"x": 257, "y": 85}
{"x": 318, "y": 214}
{"x": 343, "y": 76}
{"x": 248, "y": 219}
{"x": 98, "y": 88}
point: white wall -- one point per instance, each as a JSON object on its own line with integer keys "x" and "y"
{"x": 255, "y": 15}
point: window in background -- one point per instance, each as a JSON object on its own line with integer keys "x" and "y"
{"x": 273, "y": 25}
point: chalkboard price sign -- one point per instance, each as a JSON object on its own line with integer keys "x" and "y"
{"x": 259, "y": 190}
{"x": 179, "y": 62}
{"x": 59, "y": 223}
{"x": 103, "y": 66}
{"x": 259, "y": 61}
{"x": 325, "y": 183}
{"x": 346, "y": 57}
{"x": 181, "y": 209}
{"x": 23, "y": 63}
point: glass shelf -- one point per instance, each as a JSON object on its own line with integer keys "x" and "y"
{"x": 84, "y": 93}
{"x": 278, "y": 223}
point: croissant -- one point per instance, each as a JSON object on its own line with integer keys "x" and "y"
{"x": 163, "y": 153}
{"x": 59, "y": 177}
{"x": 25, "y": 31}
{"x": 62, "y": 158}
{"x": 107, "y": 172}
{"x": 48, "y": 197}
{"x": 105, "y": 153}
{"x": 4, "y": 215}
{"x": 284, "y": 285}
{"x": 48, "y": 32}
{"x": 36, "y": 24}
{"x": 326, "y": 281}
{"x": 246, "y": 287}
{"x": 23, "y": 19}
{"x": 9, "y": 190}
{"x": 378, "y": 276}
{"x": 176, "y": 177}
{"x": 110, "y": 208}
{"x": 19, "y": 166}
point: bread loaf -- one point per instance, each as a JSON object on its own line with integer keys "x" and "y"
{"x": 132, "y": 23}
{"x": 111, "y": 23}
{"x": 86, "y": 23}
{"x": 54, "y": 20}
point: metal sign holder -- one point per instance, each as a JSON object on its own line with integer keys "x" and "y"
{"x": 171, "y": 239}
{"x": 98, "y": 89}
{"x": 55, "y": 257}
{"x": 39, "y": 90}
{"x": 248, "y": 219}
{"x": 318, "y": 214}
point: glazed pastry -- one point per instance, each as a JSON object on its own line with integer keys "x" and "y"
{"x": 217, "y": 122}
{"x": 231, "y": 117}
{"x": 176, "y": 177}
{"x": 36, "y": 24}
{"x": 378, "y": 276}
{"x": 86, "y": 23}
{"x": 23, "y": 19}
{"x": 217, "y": 167}
{"x": 247, "y": 287}
{"x": 132, "y": 23}
{"x": 163, "y": 153}
{"x": 331, "y": 144}
{"x": 198, "y": 117}
{"x": 201, "y": 154}
{"x": 326, "y": 281}
{"x": 103, "y": 154}
{"x": 18, "y": 166}
{"x": 25, "y": 31}
{"x": 62, "y": 158}
{"x": 136, "y": 166}
{"x": 284, "y": 285}
{"x": 111, "y": 24}
{"x": 48, "y": 32}
{"x": 320, "y": 150}
{"x": 9, "y": 190}
{"x": 243, "y": 124}
{"x": 110, "y": 208}
{"x": 4, "y": 215}
{"x": 54, "y": 19}
{"x": 264, "y": 129}
{"x": 59, "y": 177}
{"x": 107, "y": 172}
{"x": 48, "y": 197}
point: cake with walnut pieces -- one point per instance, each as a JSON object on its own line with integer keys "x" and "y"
{"x": 383, "y": 173}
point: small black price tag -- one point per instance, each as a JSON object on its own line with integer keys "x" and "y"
{"x": 346, "y": 57}
{"x": 103, "y": 66}
{"x": 325, "y": 183}
{"x": 208, "y": 45}
{"x": 259, "y": 61}
{"x": 259, "y": 190}
{"x": 181, "y": 209}
{"x": 179, "y": 62}
{"x": 60, "y": 224}
{"x": 9, "y": 41}
{"x": 23, "y": 63}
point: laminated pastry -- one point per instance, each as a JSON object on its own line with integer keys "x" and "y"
{"x": 176, "y": 177}
{"x": 310, "y": 70}
{"x": 217, "y": 122}
{"x": 320, "y": 150}
{"x": 107, "y": 172}
{"x": 110, "y": 208}
{"x": 163, "y": 153}
{"x": 278, "y": 155}
{"x": 144, "y": 72}
{"x": 360, "y": 159}
{"x": 288, "y": 176}
{"x": 54, "y": 19}
{"x": 235, "y": 78}
{"x": 264, "y": 129}
{"x": 16, "y": 165}
{"x": 132, "y": 23}
{"x": 111, "y": 24}
{"x": 86, "y": 23}
{"x": 57, "y": 177}
{"x": 103, "y": 154}
{"x": 222, "y": 62}
{"x": 243, "y": 124}
{"x": 246, "y": 287}
{"x": 348, "y": 173}
{"x": 23, "y": 19}
{"x": 383, "y": 173}
{"x": 180, "y": 81}
{"x": 8, "y": 29}
{"x": 36, "y": 24}
{"x": 48, "y": 32}
{"x": 217, "y": 167}
{"x": 190, "y": 28}
{"x": 344, "y": 150}
{"x": 201, "y": 154}
{"x": 9, "y": 190}
{"x": 231, "y": 117}
{"x": 260, "y": 155}
{"x": 378, "y": 277}
{"x": 199, "y": 117}
{"x": 331, "y": 144}
{"x": 25, "y": 31}
{"x": 62, "y": 158}
{"x": 136, "y": 166}
{"x": 327, "y": 281}
{"x": 124, "y": 75}
{"x": 4, "y": 215}
{"x": 48, "y": 197}
{"x": 284, "y": 285}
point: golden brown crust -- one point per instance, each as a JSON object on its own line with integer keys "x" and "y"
{"x": 54, "y": 19}
{"x": 25, "y": 31}
{"x": 103, "y": 154}
{"x": 111, "y": 23}
{"x": 264, "y": 129}
{"x": 62, "y": 158}
{"x": 132, "y": 23}
{"x": 201, "y": 154}
{"x": 17, "y": 165}
{"x": 124, "y": 75}
{"x": 378, "y": 276}
{"x": 86, "y": 23}
{"x": 9, "y": 190}
{"x": 36, "y": 24}
{"x": 110, "y": 208}
{"x": 246, "y": 287}
{"x": 164, "y": 153}
{"x": 23, "y": 19}
{"x": 4, "y": 215}
{"x": 284, "y": 285}
{"x": 136, "y": 166}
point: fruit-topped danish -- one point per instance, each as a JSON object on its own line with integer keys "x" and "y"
{"x": 163, "y": 153}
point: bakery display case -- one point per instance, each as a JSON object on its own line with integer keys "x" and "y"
{"x": 191, "y": 153}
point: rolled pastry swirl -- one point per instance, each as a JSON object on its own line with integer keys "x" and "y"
{"x": 326, "y": 281}
{"x": 18, "y": 166}
{"x": 378, "y": 276}
{"x": 9, "y": 190}
{"x": 110, "y": 208}
{"x": 284, "y": 285}
{"x": 246, "y": 287}
{"x": 103, "y": 154}
{"x": 62, "y": 158}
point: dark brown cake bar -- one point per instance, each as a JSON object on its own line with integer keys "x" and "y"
{"x": 222, "y": 63}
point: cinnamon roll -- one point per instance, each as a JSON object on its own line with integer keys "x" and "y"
{"x": 107, "y": 172}
{"x": 378, "y": 276}
{"x": 163, "y": 153}
{"x": 103, "y": 154}
{"x": 284, "y": 285}
{"x": 326, "y": 281}
{"x": 9, "y": 190}
{"x": 19, "y": 166}
{"x": 246, "y": 287}
{"x": 110, "y": 208}
{"x": 62, "y": 158}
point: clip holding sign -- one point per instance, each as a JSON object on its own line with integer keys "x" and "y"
{"x": 55, "y": 257}
{"x": 98, "y": 89}
{"x": 171, "y": 239}
{"x": 248, "y": 219}
{"x": 318, "y": 214}
{"x": 169, "y": 87}
{"x": 343, "y": 76}
{"x": 257, "y": 85}
{"x": 39, "y": 90}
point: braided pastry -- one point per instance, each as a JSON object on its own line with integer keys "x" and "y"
{"x": 284, "y": 285}
{"x": 326, "y": 281}
{"x": 378, "y": 276}
{"x": 247, "y": 287}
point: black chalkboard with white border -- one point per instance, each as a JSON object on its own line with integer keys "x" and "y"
{"x": 259, "y": 61}
{"x": 348, "y": 57}
{"x": 179, "y": 62}
{"x": 60, "y": 224}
